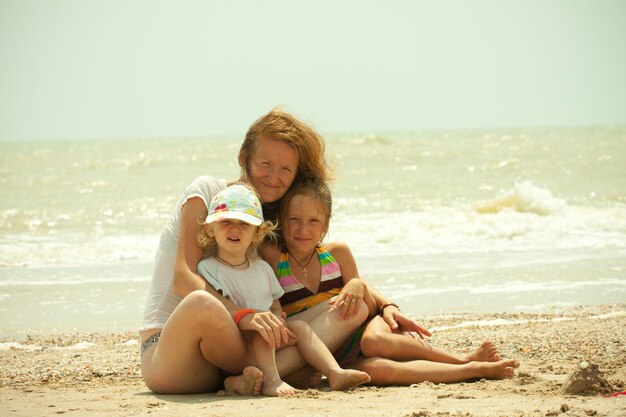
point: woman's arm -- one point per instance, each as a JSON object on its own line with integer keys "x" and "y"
{"x": 375, "y": 301}
{"x": 189, "y": 254}
{"x": 354, "y": 287}
{"x": 394, "y": 317}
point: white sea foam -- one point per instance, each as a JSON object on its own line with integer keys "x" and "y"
{"x": 42, "y": 281}
{"x": 609, "y": 315}
{"x": 524, "y": 197}
{"x": 506, "y": 322}
{"x": 408, "y": 291}
{"x": 462, "y": 229}
{"x": 74, "y": 249}
{"x": 79, "y": 346}
{"x": 498, "y": 323}
{"x": 18, "y": 346}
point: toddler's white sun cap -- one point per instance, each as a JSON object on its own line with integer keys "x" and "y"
{"x": 236, "y": 202}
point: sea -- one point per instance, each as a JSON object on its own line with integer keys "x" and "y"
{"x": 459, "y": 221}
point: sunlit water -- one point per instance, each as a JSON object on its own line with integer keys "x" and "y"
{"x": 479, "y": 221}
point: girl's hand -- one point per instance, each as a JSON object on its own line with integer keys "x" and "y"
{"x": 398, "y": 321}
{"x": 272, "y": 329}
{"x": 347, "y": 302}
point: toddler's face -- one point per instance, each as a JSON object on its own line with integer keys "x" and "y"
{"x": 232, "y": 236}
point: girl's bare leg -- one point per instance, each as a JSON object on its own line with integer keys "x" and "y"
{"x": 379, "y": 341}
{"x": 188, "y": 356}
{"x": 389, "y": 372}
{"x": 317, "y": 354}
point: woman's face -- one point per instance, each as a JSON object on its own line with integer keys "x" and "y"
{"x": 272, "y": 168}
{"x": 303, "y": 224}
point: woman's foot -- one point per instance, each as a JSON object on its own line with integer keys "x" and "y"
{"x": 497, "y": 370}
{"x": 486, "y": 352}
{"x": 250, "y": 382}
{"x": 343, "y": 379}
{"x": 307, "y": 377}
{"x": 277, "y": 388}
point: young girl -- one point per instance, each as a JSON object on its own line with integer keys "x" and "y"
{"x": 233, "y": 228}
{"x": 312, "y": 275}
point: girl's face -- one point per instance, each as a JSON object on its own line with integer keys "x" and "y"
{"x": 304, "y": 224}
{"x": 233, "y": 237}
{"x": 272, "y": 168}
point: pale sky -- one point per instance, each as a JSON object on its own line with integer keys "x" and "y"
{"x": 141, "y": 69}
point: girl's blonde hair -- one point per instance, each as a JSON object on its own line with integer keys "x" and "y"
{"x": 264, "y": 231}
{"x": 315, "y": 189}
{"x": 282, "y": 126}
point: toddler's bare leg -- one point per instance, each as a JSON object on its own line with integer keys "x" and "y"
{"x": 265, "y": 357}
{"x": 317, "y": 354}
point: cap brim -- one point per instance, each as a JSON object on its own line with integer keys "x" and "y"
{"x": 233, "y": 215}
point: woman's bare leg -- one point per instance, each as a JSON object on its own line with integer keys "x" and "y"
{"x": 389, "y": 372}
{"x": 198, "y": 340}
{"x": 379, "y": 341}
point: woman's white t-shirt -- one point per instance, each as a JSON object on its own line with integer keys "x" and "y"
{"x": 162, "y": 300}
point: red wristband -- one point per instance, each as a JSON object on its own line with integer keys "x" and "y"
{"x": 240, "y": 313}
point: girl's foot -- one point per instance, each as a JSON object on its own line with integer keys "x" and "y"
{"x": 343, "y": 379}
{"x": 277, "y": 388}
{"x": 307, "y": 377}
{"x": 486, "y": 352}
{"x": 249, "y": 382}
{"x": 498, "y": 370}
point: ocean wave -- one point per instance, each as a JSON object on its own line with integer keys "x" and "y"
{"x": 75, "y": 281}
{"x": 410, "y": 291}
{"x": 74, "y": 250}
{"x": 524, "y": 218}
{"x": 138, "y": 160}
{"x": 524, "y": 197}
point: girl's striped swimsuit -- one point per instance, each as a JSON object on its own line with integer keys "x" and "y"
{"x": 298, "y": 298}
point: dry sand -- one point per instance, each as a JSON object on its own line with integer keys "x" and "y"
{"x": 98, "y": 374}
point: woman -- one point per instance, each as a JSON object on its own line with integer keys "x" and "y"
{"x": 188, "y": 334}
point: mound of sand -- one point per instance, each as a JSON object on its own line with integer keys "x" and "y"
{"x": 587, "y": 380}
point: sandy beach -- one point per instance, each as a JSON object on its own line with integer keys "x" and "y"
{"x": 98, "y": 374}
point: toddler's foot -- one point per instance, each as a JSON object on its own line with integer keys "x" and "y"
{"x": 307, "y": 377}
{"x": 343, "y": 379}
{"x": 249, "y": 382}
{"x": 486, "y": 352}
{"x": 499, "y": 370}
{"x": 277, "y": 388}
